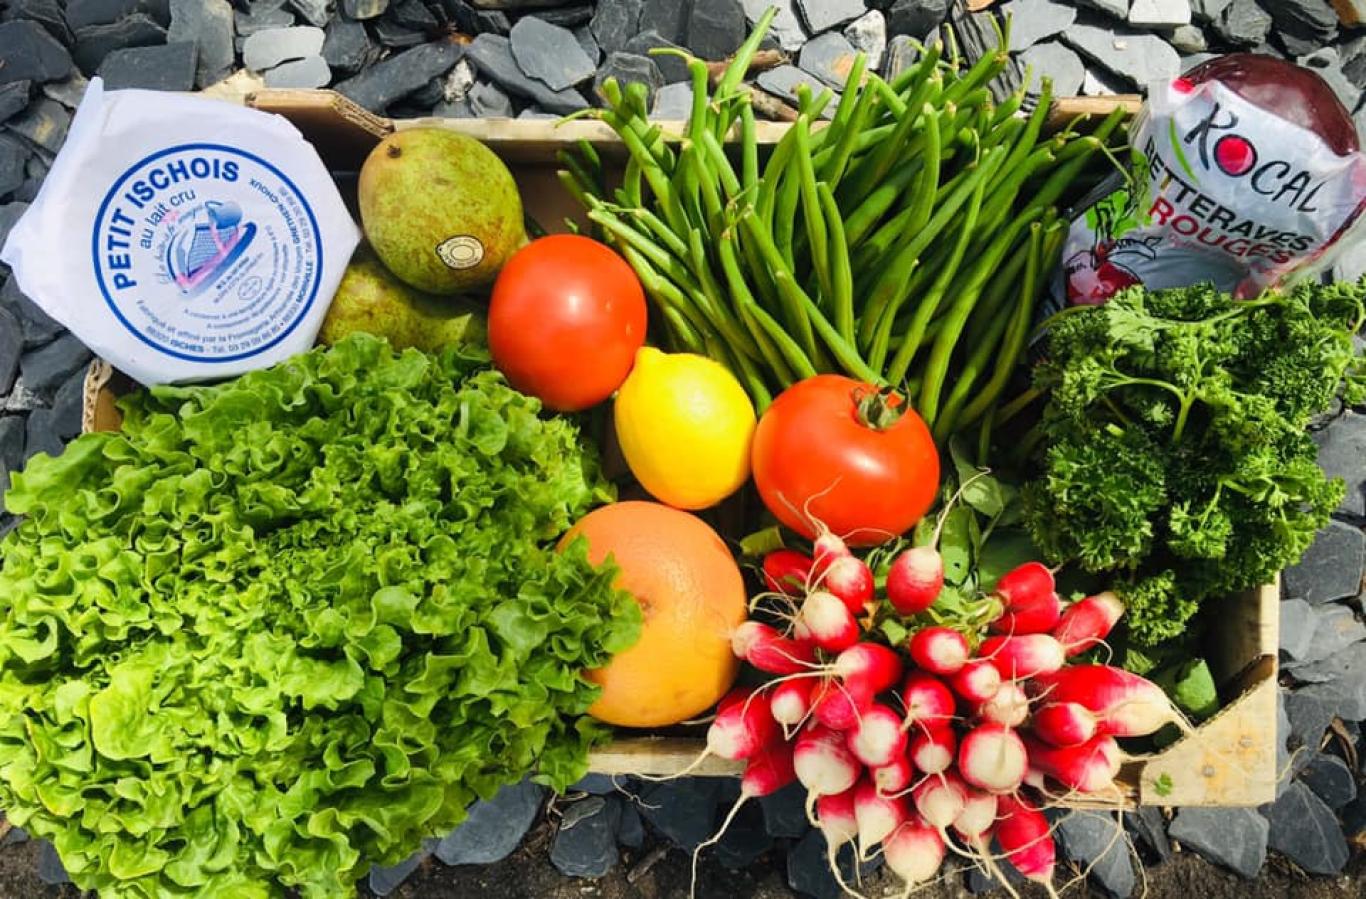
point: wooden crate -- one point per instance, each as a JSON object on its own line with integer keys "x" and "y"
{"x": 1229, "y": 761}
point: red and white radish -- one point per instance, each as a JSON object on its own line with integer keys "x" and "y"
{"x": 932, "y": 751}
{"x": 766, "y": 773}
{"x": 929, "y": 704}
{"x": 1126, "y": 705}
{"x": 1010, "y": 706}
{"x": 870, "y": 666}
{"x": 977, "y": 681}
{"x": 877, "y": 815}
{"x": 1039, "y": 617}
{"x": 978, "y": 816}
{"x": 743, "y": 725}
{"x": 829, "y": 621}
{"x": 1089, "y": 768}
{"x": 763, "y": 647}
{"x": 1063, "y": 724}
{"x": 825, "y": 549}
{"x": 823, "y": 762}
{"x": 877, "y": 738}
{"x": 914, "y": 852}
{"x": 839, "y": 706}
{"x": 939, "y": 650}
{"x": 850, "y": 578}
{"x": 790, "y": 702}
{"x": 915, "y": 580}
{"x": 1023, "y": 656}
{"x": 992, "y": 757}
{"x": 787, "y": 571}
{"x": 835, "y": 817}
{"x": 1025, "y": 585}
{"x": 939, "y": 799}
{"x": 1026, "y": 839}
{"x": 894, "y": 777}
{"x": 1086, "y": 623}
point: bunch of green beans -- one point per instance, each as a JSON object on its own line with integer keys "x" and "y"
{"x": 903, "y": 243}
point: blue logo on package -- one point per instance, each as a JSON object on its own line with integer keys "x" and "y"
{"x": 207, "y": 253}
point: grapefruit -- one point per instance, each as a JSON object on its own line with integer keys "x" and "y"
{"x": 691, "y": 595}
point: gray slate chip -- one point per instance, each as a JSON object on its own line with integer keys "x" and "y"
{"x": 630, "y": 68}
{"x": 30, "y": 53}
{"x": 1147, "y": 823}
{"x": 549, "y": 53}
{"x": 364, "y": 9}
{"x": 413, "y": 14}
{"x": 1207, "y": 10}
{"x": 50, "y": 870}
{"x": 43, "y": 125}
{"x": 785, "y": 812}
{"x": 808, "y": 867}
{"x": 584, "y": 35}
{"x": 1312, "y": 20}
{"x": 487, "y": 100}
{"x": 1188, "y": 39}
{"x": 1056, "y": 61}
{"x": 37, "y": 326}
{"x": 1115, "y": 9}
{"x": 301, "y": 74}
{"x": 267, "y": 49}
{"x": 9, "y": 214}
{"x": 11, "y": 347}
{"x": 684, "y": 811}
{"x": 745, "y": 841}
{"x": 347, "y": 46}
{"x": 48, "y": 13}
{"x": 80, "y": 13}
{"x": 1095, "y": 841}
{"x": 567, "y": 16}
{"x": 208, "y": 24}
{"x": 868, "y": 34}
{"x": 12, "y": 429}
{"x": 249, "y": 23}
{"x": 822, "y": 15}
{"x": 1243, "y": 23}
{"x": 673, "y": 102}
{"x": 492, "y": 55}
{"x": 1159, "y": 13}
{"x": 1305, "y": 829}
{"x": 916, "y": 18}
{"x": 314, "y": 12}
{"x": 384, "y": 881}
{"x": 671, "y": 67}
{"x": 1330, "y": 779}
{"x": 1336, "y": 627}
{"x": 170, "y": 67}
{"x": 784, "y": 80}
{"x": 716, "y": 28}
{"x": 13, "y": 98}
{"x": 902, "y": 53}
{"x": 95, "y": 42}
{"x": 393, "y": 35}
{"x": 631, "y": 830}
{"x": 1298, "y": 623}
{"x": 1342, "y": 446}
{"x": 1332, "y": 567}
{"x": 68, "y": 406}
{"x": 1233, "y": 837}
{"x": 392, "y": 79}
{"x": 829, "y": 57}
{"x": 494, "y": 827}
{"x": 615, "y": 22}
{"x": 1140, "y": 57}
{"x": 667, "y": 17}
{"x": 46, "y": 368}
{"x": 13, "y": 159}
{"x": 786, "y": 28}
{"x": 1035, "y": 20}
{"x": 586, "y": 843}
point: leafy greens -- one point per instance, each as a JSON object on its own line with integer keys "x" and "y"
{"x": 279, "y": 630}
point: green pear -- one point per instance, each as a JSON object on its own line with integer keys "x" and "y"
{"x": 372, "y": 300}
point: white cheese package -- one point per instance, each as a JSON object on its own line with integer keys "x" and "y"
{"x": 183, "y": 238}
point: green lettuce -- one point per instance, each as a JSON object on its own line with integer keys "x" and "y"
{"x": 277, "y": 631}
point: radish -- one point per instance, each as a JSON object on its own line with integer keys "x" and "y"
{"x": 915, "y": 580}
{"x": 871, "y": 666}
{"x": 977, "y": 681}
{"x": 929, "y": 703}
{"x": 787, "y": 571}
{"x": 1126, "y": 704}
{"x": 877, "y": 815}
{"x": 932, "y": 751}
{"x": 940, "y": 799}
{"x": 1025, "y": 585}
{"x": 1039, "y": 617}
{"x": 1010, "y": 706}
{"x": 939, "y": 650}
{"x": 914, "y": 852}
{"x": 835, "y": 817}
{"x": 1088, "y": 768}
{"x": 850, "y": 578}
{"x": 1024, "y": 835}
{"x": 743, "y": 725}
{"x": 791, "y": 702}
{"x": 763, "y": 647}
{"x": 766, "y": 773}
{"x": 1023, "y": 656}
{"x": 877, "y": 739}
{"x": 978, "y": 816}
{"x": 839, "y": 706}
{"x": 823, "y": 762}
{"x": 1086, "y": 623}
{"x": 1063, "y": 724}
{"x": 992, "y": 757}
{"x": 825, "y": 549}
{"x": 830, "y": 622}
{"x": 894, "y": 777}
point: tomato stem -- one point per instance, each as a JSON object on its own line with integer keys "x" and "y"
{"x": 878, "y": 408}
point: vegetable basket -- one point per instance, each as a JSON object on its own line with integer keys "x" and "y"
{"x": 1230, "y": 760}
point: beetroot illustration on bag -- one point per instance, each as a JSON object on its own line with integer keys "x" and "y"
{"x": 1247, "y": 169}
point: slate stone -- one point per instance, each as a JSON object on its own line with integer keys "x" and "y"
{"x": 170, "y": 67}
{"x": 38, "y": 328}
{"x": 1115, "y": 9}
{"x": 1351, "y": 53}
{"x": 1243, "y": 23}
{"x": 68, "y": 406}
{"x": 43, "y": 125}
{"x": 21, "y": 399}
{"x": 584, "y": 35}
{"x": 1208, "y": 10}
{"x": 673, "y": 102}
{"x": 14, "y": 97}
{"x": 1336, "y": 627}
{"x": 1283, "y": 733}
{"x": 829, "y": 57}
{"x": 249, "y": 23}
{"x": 745, "y": 841}
{"x": 50, "y": 870}
{"x": 631, "y": 829}
{"x": 1096, "y": 842}
{"x": 1342, "y": 446}
{"x": 1233, "y": 837}
{"x": 1159, "y": 13}
{"x": 392, "y": 79}
{"x": 347, "y": 47}
{"x": 1298, "y": 623}
{"x": 69, "y": 91}
{"x": 630, "y": 68}
{"x": 979, "y": 881}
{"x": 570, "y": 17}
{"x": 716, "y": 28}
{"x": 456, "y": 83}
{"x": 549, "y": 53}
{"x": 785, "y": 812}
{"x": 1139, "y": 57}
{"x": 300, "y": 74}
{"x": 786, "y": 29}
{"x": 808, "y": 868}
{"x": 208, "y": 24}
{"x": 1309, "y": 715}
{"x": 614, "y": 23}
{"x": 1146, "y": 823}
{"x": 868, "y": 34}
{"x": 48, "y": 13}
{"x": 671, "y": 67}
{"x": 314, "y": 12}
{"x": 916, "y": 18}
{"x": 668, "y": 18}
{"x": 396, "y": 36}
{"x": 492, "y": 55}
{"x": 783, "y": 81}
{"x": 1332, "y": 567}
{"x": 594, "y": 784}
{"x": 488, "y": 101}
{"x": 413, "y": 14}
{"x": 494, "y": 827}
{"x": 822, "y": 15}
{"x": 80, "y": 13}
{"x": 13, "y": 159}
{"x": 1188, "y": 39}
{"x": 535, "y": 112}
{"x": 586, "y": 843}
{"x": 9, "y": 214}
{"x": 1313, "y": 20}
{"x": 1305, "y": 829}
{"x": 11, "y": 346}
{"x": 453, "y": 109}
{"x": 684, "y": 811}
{"x": 12, "y": 432}
{"x": 384, "y": 881}
{"x": 902, "y": 53}
{"x": 31, "y": 54}
{"x": 359, "y": 10}
{"x": 45, "y": 368}
{"x": 1032, "y": 21}
{"x": 267, "y": 49}
{"x": 1330, "y": 779}
{"x": 1051, "y": 59}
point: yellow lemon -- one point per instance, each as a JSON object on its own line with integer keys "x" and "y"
{"x": 685, "y": 426}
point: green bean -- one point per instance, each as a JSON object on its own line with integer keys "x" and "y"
{"x": 720, "y": 164}
{"x": 739, "y": 63}
{"x": 668, "y": 297}
{"x": 1030, "y": 138}
{"x": 929, "y": 178}
{"x": 662, "y": 232}
{"x": 876, "y": 204}
{"x": 849, "y": 98}
{"x": 863, "y": 141}
{"x": 811, "y": 210}
{"x": 654, "y": 176}
{"x": 844, "y": 148}
{"x": 571, "y": 184}
{"x": 716, "y": 306}
{"x": 697, "y": 120}
{"x": 982, "y": 72}
{"x": 773, "y": 169}
{"x": 898, "y": 146}
{"x": 890, "y": 98}
{"x": 841, "y": 275}
{"x": 1006, "y": 109}
{"x": 779, "y": 349}
{"x": 744, "y": 371}
{"x": 785, "y": 211}
{"x": 657, "y": 255}
{"x": 1004, "y": 283}
{"x": 749, "y": 149}
{"x": 713, "y": 210}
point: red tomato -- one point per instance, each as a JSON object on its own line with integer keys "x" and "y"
{"x": 565, "y": 320}
{"x": 818, "y": 461}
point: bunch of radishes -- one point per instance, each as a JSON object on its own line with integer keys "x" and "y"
{"x": 959, "y": 739}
